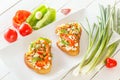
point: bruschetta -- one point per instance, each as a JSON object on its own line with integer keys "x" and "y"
{"x": 39, "y": 57}
{"x": 69, "y": 36}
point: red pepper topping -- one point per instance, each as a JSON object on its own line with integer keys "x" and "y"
{"x": 40, "y": 63}
{"x": 71, "y": 42}
{"x": 40, "y": 52}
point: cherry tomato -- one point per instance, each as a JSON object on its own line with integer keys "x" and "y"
{"x": 65, "y": 11}
{"x": 110, "y": 63}
{"x": 20, "y": 17}
{"x": 25, "y": 29}
{"x": 10, "y": 35}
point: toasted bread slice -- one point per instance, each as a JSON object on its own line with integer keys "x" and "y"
{"x": 39, "y": 58}
{"x": 69, "y": 36}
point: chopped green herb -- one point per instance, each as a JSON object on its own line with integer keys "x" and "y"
{"x": 64, "y": 31}
{"x": 34, "y": 59}
{"x": 64, "y": 42}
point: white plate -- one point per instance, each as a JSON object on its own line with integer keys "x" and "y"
{"x": 13, "y": 55}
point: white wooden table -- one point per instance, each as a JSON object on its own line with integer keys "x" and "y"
{"x": 8, "y": 9}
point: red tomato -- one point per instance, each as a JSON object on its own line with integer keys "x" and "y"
{"x": 110, "y": 63}
{"x": 25, "y": 29}
{"x": 10, "y": 35}
{"x": 20, "y": 17}
{"x": 65, "y": 11}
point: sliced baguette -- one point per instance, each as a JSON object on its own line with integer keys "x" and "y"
{"x": 63, "y": 47}
{"x": 32, "y": 53}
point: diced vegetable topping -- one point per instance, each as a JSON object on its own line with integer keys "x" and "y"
{"x": 40, "y": 53}
{"x": 69, "y": 35}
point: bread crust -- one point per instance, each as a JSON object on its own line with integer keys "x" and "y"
{"x": 39, "y": 71}
{"x": 70, "y": 52}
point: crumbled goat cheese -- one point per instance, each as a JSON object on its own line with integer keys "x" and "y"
{"x": 68, "y": 48}
{"x": 74, "y": 48}
{"x": 49, "y": 58}
{"x": 46, "y": 66}
{"x": 36, "y": 55}
{"x": 76, "y": 44}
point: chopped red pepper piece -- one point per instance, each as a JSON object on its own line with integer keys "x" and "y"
{"x": 20, "y": 17}
{"x": 40, "y": 63}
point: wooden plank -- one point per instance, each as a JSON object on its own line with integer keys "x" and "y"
{"x": 7, "y": 4}
{"x": 3, "y": 69}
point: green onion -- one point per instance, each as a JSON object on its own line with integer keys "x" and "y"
{"x": 99, "y": 36}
